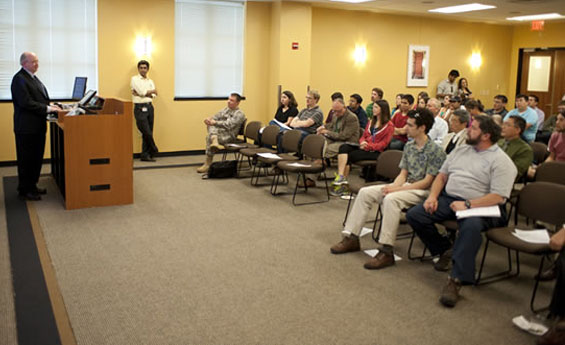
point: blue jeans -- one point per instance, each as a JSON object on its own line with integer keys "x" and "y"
{"x": 469, "y": 238}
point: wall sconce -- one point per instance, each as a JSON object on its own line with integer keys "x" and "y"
{"x": 360, "y": 54}
{"x": 143, "y": 46}
{"x": 476, "y": 60}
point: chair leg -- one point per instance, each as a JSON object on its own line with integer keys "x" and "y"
{"x": 378, "y": 218}
{"x": 306, "y": 190}
{"x": 347, "y": 210}
{"x": 532, "y": 308}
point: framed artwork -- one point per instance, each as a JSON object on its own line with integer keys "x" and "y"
{"x": 418, "y": 66}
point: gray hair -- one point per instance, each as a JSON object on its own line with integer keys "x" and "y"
{"x": 436, "y": 102}
{"x": 462, "y": 115}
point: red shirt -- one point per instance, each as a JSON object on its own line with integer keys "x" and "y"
{"x": 399, "y": 121}
{"x": 557, "y": 145}
{"x": 380, "y": 140}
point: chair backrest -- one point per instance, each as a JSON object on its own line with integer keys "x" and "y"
{"x": 313, "y": 146}
{"x": 242, "y": 128}
{"x": 291, "y": 140}
{"x": 269, "y": 136}
{"x": 543, "y": 201}
{"x": 553, "y": 172}
{"x": 540, "y": 151}
{"x": 387, "y": 164}
{"x": 252, "y": 130}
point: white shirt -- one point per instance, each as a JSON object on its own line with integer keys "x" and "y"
{"x": 438, "y": 130}
{"x": 141, "y": 86}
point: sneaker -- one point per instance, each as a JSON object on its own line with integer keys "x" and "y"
{"x": 444, "y": 261}
{"x": 347, "y": 244}
{"x": 450, "y": 292}
{"x": 339, "y": 180}
{"x": 339, "y": 191}
{"x": 381, "y": 260}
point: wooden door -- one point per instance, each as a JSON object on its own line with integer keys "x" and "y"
{"x": 528, "y": 66}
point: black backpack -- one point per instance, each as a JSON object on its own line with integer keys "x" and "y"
{"x": 222, "y": 169}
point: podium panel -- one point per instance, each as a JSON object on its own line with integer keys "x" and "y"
{"x": 93, "y": 159}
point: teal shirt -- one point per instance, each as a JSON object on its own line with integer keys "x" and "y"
{"x": 519, "y": 152}
{"x": 421, "y": 162}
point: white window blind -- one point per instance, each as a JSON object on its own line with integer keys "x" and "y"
{"x": 208, "y": 48}
{"x": 63, "y": 34}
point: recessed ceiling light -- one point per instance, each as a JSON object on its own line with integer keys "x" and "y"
{"x": 462, "y": 8}
{"x": 537, "y": 17}
{"x": 352, "y": 1}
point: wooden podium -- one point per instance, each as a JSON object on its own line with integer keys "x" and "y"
{"x": 92, "y": 156}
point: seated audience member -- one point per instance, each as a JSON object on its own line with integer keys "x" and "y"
{"x": 458, "y": 124}
{"x": 533, "y": 101}
{"x": 556, "y": 145}
{"x": 444, "y": 107}
{"x": 498, "y": 106}
{"x": 475, "y": 175}
{"x": 223, "y": 128}
{"x": 309, "y": 118}
{"x": 454, "y": 104}
{"x": 344, "y": 128}
{"x": 422, "y": 100}
{"x": 287, "y": 110}
{"x": 463, "y": 89}
{"x": 448, "y": 87}
{"x": 375, "y": 139}
{"x": 549, "y": 125}
{"x": 420, "y": 163}
{"x": 556, "y": 334}
{"x": 376, "y": 95}
{"x": 334, "y": 96}
{"x": 399, "y": 121}
{"x": 474, "y": 107}
{"x": 355, "y": 107}
{"x": 440, "y": 128}
{"x": 397, "y": 100}
{"x": 518, "y": 150}
{"x": 527, "y": 114}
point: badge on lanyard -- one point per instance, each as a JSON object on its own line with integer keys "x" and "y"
{"x": 144, "y": 109}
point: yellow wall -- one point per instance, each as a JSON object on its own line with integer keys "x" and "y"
{"x": 387, "y": 38}
{"x": 326, "y": 37}
{"x": 551, "y": 37}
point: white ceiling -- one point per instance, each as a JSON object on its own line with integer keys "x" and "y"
{"x": 505, "y": 8}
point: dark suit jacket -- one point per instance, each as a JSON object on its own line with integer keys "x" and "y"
{"x": 30, "y": 104}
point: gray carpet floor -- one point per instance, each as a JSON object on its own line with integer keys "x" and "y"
{"x": 220, "y": 262}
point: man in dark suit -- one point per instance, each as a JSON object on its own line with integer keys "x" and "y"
{"x": 31, "y": 106}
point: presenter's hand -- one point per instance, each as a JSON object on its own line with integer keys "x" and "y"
{"x": 430, "y": 205}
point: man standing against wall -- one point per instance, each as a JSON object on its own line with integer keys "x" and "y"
{"x": 448, "y": 87}
{"x": 31, "y": 106}
{"x": 143, "y": 91}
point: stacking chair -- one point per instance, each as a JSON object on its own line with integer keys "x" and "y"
{"x": 540, "y": 151}
{"x": 312, "y": 147}
{"x": 252, "y": 134}
{"x": 387, "y": 166}
{"x": 269, "y": 137}
{"x": 290, "y": 144}
{"x": 553, "y": 172}
{"x": 542, "y": 201}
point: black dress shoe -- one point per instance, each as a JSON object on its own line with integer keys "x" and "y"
{"x": 147, "y": 159}
{"x": 41, "y": 191}
{"x": 31, "y": 196}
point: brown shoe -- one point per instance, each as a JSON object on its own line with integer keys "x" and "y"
{"x": 214, "y": 144}
{"x": 347, "y": 244}
{"x": 444, "y": 262}
{"x": 450, "y": 293}
{"x": 381, "y": 260}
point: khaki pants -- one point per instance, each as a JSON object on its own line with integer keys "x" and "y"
{"x": 391, "y": 208}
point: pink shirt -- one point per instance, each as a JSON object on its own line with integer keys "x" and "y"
{"x": 557, "y": 145}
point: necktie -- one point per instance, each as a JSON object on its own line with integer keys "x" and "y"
{"x": 40, "y": 86}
